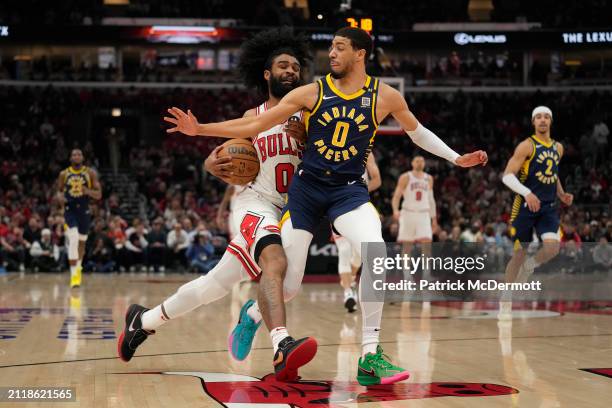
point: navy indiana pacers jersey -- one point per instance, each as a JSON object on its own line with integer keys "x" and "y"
{"x": 341, "y": 129}
{"x": 73, "y": 187}
{"x": 540, "y": 172}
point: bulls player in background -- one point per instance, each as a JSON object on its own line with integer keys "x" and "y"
{"x": 272, "y": 62}
{"x": 417, "y": 217}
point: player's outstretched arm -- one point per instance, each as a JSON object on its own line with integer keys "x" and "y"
{"x": 391, "y": 101}
{"x": 303, "y": 97}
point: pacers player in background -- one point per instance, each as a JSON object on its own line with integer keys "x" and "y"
{"x": 78, "y": 183}
{"x": 343, "y": 112}
{"x": 536, "y": 161}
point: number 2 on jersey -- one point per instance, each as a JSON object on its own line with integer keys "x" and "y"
{"x": 284, "y": 174}
{"x": 549, "y": 164}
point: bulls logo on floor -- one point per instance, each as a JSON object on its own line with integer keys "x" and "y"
{"x": 233, "y": 390}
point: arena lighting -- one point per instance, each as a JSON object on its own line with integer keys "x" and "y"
{"x": 116, "y": 112}
{"x": 183, "y": 34}
{"x": 4, "y": 31}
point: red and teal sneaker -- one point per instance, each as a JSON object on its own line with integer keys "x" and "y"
{"x": 376, "y": 369}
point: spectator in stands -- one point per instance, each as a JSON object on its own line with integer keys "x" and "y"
{"x": 600, "y": 139}
{"x": 100, "y": 258}
{"x": 156, "y": 251}
{"x": 14, "y": 249}
{"x": 177, "y": 243}
{"x": 32, "y": 231}
{"x": 136, "y": 245}
{"x": 602, "y": 255}
{"x": 117, "y": 235}
{"x": 174, "y": 213}
{"x": 45, "y": 255}
{"x": 200, "y": 253}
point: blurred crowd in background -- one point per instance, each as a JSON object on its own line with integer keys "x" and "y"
{"x": 175, "y": 221}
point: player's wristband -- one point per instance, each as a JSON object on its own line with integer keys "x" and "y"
{"x": 427, "y": 140}
{"x": 515, "y": 185}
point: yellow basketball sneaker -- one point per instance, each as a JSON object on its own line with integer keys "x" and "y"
{"x": 75, "y": 280}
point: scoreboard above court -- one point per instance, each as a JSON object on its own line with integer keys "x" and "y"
{"x": 365, "y": 24}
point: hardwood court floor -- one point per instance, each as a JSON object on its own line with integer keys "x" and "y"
{"x": 458, "y": 354}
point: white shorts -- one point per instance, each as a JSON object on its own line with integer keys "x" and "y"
{"x": 254, "y": 218}
{"x": 414, "y": 226}
{"x": 348, "y": 256}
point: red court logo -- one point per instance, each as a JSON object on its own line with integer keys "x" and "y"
{"x": 240, "y": 390}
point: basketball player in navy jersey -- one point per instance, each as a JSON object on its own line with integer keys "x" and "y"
{"x": 536, "y": 161}
{"x": 343, "y": 111}
{"x": 78, "y": 183}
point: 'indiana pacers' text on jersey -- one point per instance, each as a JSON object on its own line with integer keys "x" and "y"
{"x": 540, "y": 172}
{"x": 341, "y": 130}
{"x": 73, "y": 187}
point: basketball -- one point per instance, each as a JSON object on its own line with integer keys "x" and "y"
{"x": 244, "y": 160}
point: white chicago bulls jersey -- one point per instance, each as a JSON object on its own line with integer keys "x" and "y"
{"x": 416, "y": 194}
{"x": 279, "y": 156}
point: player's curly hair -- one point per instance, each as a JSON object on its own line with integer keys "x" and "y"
{"x": 258, "y": 52}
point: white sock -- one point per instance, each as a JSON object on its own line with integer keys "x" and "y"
{"x": 278, "y": 334}
{"x": 73, "y": 269}
{"x": 154, "y": 318}
{"x": 254, "y": 312}
{"x": 369, "y": 340}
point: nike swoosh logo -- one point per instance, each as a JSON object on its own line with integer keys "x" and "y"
{"x": 350, "y": 183}
{"x": 279, "y": 359}
{"x": 328, "y": 97}
{"x": 131, "y": 328}
{"x": 371, "y": 372}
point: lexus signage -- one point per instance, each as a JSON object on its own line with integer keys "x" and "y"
{"x": 588, "y": 37}
{"x": 465, "y": 38}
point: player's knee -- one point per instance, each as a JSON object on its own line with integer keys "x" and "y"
{"x": 271, "y": 258}
{"x": 274, "y": 266}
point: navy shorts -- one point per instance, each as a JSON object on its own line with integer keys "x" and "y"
{"x": 78, "y": 217}
{"x": 544, "y": 221}
{"x": 310, "y": 199}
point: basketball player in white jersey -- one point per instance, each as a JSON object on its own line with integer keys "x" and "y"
{"x": 349, "y": 260}
{"x": 417, "y": 217}
{"x": 271, "y": 61}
